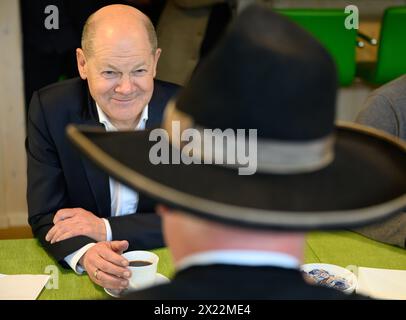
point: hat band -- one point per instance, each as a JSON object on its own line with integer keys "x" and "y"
{"x": 295, "y": 157}
{"x": 271, "y": 156}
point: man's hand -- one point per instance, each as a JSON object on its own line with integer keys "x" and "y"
{"x": 74, "y": 222}
{"x": 105, "y": 265}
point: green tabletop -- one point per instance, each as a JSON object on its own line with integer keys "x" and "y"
{"x": 26, "y": 256}
{"x": 348, "y": 248}
{"x": 342, "y": 248}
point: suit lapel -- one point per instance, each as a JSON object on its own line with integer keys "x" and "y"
{"x": 99, "y": 185}
{"x": 156, "y": 106}
{"x": 98, "y": 180}
{"x": 155, "y": 111}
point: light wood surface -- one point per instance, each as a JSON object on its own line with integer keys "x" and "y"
{"x": 16, "y": 233}
{"x": 12, "y": 119}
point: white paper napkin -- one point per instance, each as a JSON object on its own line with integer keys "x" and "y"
{"x": 21, "y": 286}
{"x": 382, "y": 283}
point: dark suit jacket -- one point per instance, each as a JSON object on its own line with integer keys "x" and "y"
{"x": 238, "y": 282}
{"x": 58, "y": 177}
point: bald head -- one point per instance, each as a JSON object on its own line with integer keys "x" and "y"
{"x": 117, "y": 21}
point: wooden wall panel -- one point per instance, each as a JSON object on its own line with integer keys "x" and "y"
{"x": 13, "y": 211}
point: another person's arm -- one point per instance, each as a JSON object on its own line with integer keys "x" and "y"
{"x": 392, "y": 231}
{"x": 142, "y": 230}
{"x": 380, "y": 113}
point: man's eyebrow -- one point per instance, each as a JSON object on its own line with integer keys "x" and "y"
{"x": 111, "y": 66}
{"x": 141, "y": 64}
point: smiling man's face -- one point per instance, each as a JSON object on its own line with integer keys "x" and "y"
{"x": 120, "y": 72}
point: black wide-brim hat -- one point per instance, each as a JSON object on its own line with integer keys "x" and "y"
{"x": 266, "y": 74}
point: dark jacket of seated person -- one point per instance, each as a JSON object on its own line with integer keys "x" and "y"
{"x": 58, "y": 177}
{"x": 385, "y": 109}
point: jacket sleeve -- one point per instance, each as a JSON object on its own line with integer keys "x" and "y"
{"x": 46, "y": 187}
{"x": 380, "y": 113}
{"x": 392, "y": 231}
{"x": 142, "y": 230}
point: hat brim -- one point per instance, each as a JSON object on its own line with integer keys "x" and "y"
{"x": 365, "y": 183}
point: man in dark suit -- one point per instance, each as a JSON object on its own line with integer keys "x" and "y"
{"x": 54, "y": 50}
{"x": 235, "y": 235}
{"x": 73, "y": 205}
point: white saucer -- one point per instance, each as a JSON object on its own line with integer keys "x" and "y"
{"x": 160, "y": 279}
{"x": 337, "y": 271}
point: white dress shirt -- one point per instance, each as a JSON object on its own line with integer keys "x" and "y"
{"x": 253, "y": 258}
{"x": 123, "y": 200}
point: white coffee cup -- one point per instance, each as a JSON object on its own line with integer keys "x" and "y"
{"x": 143, "y": 275}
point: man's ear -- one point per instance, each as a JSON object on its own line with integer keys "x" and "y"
{"x": 156, "y": 58}
{"x": 81, "y": 62}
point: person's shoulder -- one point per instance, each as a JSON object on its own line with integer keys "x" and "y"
{"x": 393, "y": 90}
{"x": 182, "y": 292}
{"x": 385, "y": 107}
{"x": 163, "y": 92}
{"x": 59, "y": 102}
{"x": 62, "y": 87}
{"x": 166, "y": 86}
{"x": 63, "y": 95}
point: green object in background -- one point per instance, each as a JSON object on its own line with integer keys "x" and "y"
{"x": 327, "y": 25}
{"x": 391, "y": 59}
